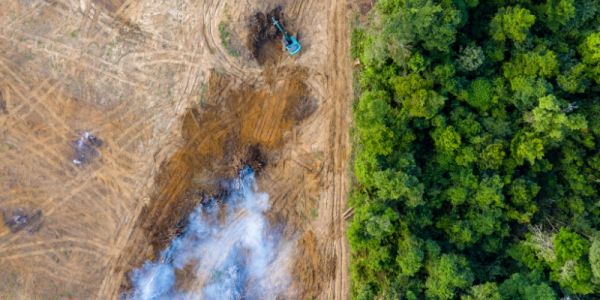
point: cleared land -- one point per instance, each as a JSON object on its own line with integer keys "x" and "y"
{"x": 175, "y": 111}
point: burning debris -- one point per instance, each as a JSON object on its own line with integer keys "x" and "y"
{"x": 255, "y": 158}
{"x": 86, "y": 148}
{"x": 228, "y": 248}
{"x": 18, "y": 219}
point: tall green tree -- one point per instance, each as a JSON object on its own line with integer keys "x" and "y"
{"x": 511, "y": 23}
{"x": 447, "y": 274}
{"x": 476, "y": 150}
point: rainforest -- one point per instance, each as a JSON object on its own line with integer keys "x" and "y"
{"x": 476, "y": 150}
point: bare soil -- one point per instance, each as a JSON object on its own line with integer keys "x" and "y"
{"x": 176, "y": 113}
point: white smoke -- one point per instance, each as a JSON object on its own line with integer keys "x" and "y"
{"x": 230, "y": 247}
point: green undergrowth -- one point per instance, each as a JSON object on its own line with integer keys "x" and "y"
{"x": 226, "y": 35}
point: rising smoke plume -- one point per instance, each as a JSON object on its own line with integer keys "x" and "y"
{"x": 233, "y": 252}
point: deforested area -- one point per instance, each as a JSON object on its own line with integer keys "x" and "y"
{"x": 477, "y": 162}
{"x": 185, "y": 149}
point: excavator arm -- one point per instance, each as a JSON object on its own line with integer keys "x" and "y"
{"x": 291, "y": 43}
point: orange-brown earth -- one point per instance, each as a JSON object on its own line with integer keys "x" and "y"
{"x": 176, "y": 112}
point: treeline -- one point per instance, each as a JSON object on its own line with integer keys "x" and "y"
{"x": 477, "y": 137}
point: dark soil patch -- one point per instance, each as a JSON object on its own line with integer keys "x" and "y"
{"x": 303, "y": 108}
{"x": 255, "y": 158}
{"x": 109, "y": 5}
{"x": 240, "y": 125}
{"x": 18, "y": 219}
{"x": 2, "y": 104}
{"x": 85, "y": 148}
{"x": 264, "y": 41}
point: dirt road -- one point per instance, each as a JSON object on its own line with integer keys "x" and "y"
{"x": 132, "y": 72}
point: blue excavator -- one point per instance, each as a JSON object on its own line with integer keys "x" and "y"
{"x": 289, "y": 41}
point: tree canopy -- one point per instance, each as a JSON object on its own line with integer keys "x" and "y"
{"x": 477, "y": 165}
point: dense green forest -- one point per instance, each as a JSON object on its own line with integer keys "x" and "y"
{"x": 477, "y": 150}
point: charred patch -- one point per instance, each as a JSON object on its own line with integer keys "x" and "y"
{"x": 85, "y": 148}
{"x": 2, "y": 104}
{"x": 264, "y": 41}
{"x": 255, "y": 158}
{"x": 109, "y": 5}
{"x": 302, "y": 108}
{"x": 240, "y": 125}
{"x": 18, "y": 219}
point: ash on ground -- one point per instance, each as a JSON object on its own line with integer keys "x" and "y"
{"x": 18, "y": 219}
{"x": 86, "y": 148}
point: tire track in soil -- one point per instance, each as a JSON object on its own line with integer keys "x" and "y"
{"x": 339, "y": 88}
{"x": 142, "y": 127}
{"x": 37, "y": 106}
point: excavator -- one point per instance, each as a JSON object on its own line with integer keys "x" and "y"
{"x": 289, "y": 41}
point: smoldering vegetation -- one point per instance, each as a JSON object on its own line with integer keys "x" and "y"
{"x": 86, "y": 148}
{"x": 227, "y": 251}
{"x": 17, "y": 219}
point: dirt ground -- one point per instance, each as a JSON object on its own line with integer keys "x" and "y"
{"x": 176, "y": 110}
